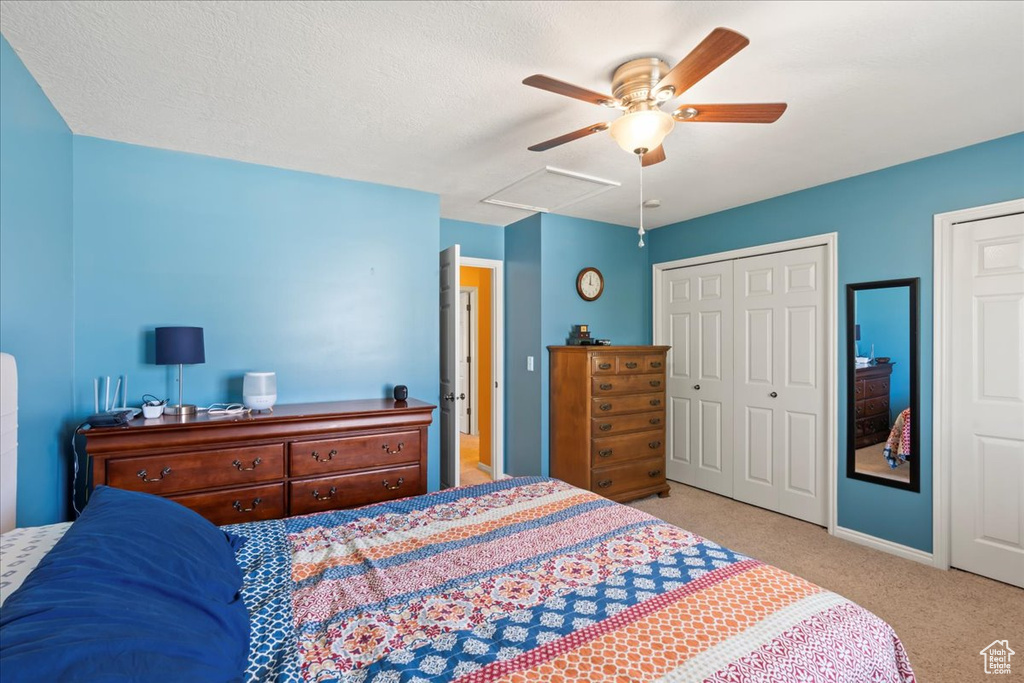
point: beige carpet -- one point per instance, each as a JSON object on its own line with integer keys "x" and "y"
{"x": 944, "y": 618}
{"x": 871, "y": 460}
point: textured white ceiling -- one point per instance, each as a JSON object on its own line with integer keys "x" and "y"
{"x": 427, "y": 95}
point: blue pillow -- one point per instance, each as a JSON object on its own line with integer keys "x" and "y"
{"x": 140, "y": 588}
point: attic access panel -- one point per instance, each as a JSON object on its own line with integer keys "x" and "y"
{"x": 550, "y": 189}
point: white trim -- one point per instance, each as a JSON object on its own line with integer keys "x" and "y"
{"x": 942, "y": 284}
{"x": 830, "y": 241}
{"x": 898, "y": 549}
{"x": 483, "y": 467}
{"x": 497, "y": 269}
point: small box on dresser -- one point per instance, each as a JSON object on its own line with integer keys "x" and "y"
{"x": 299, "y": 459}
{"x": 607, "y": 419}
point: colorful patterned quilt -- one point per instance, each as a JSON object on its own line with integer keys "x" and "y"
{"x": 531, "y": 579}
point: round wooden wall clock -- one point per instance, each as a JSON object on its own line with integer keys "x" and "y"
{"x": 590, "y": 284}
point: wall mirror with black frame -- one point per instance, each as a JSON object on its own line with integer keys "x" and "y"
{"x": 883, "y": 439}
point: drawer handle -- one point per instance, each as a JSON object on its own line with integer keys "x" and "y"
{"x": 655, "y": 401}
{"x": 398, "y": 485}
{"x": 605, "y": 427}
{"x": 606, "y": 406}
{"x": 604, "y": 483}
{"x": 238, "y": 505}
{"x": 655, "y": 420}
{"x": 655, "y": 382}
{"x": 330, "y": 494}
{"x": 606, "y": 387}
{"x": 653, "y": 473}
{"x": 604, "y": 453}
{"x": 631, "y": 365}
{"x": 330, "y": 456}
{"x": 654, "y": 444}
{"x": 604, "y": 366}
{"x": 238, "y": 465}
{"x": 655, "y": 363}
{"x": 163, "y": 473}
{"x": 387, "y": 448}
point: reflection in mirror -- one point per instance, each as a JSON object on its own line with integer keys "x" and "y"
{"x": 882, "y": 365}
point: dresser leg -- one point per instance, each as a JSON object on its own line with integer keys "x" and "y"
{"x": 665, "y": 493}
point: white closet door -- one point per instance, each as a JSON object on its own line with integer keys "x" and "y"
{"x": 780, "y": 389}
{"x": 987, "y": 454}
{"x": 696, "y": 321}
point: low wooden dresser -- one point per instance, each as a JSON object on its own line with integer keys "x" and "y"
{"x": 607, "y": 419}
{"x": 871, "y": 404}
{"x": 295, "y": 460}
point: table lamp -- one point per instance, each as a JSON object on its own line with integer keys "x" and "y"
{"x": 180, "y": 346}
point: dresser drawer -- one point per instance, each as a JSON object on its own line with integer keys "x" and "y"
{"x": 617, "y": 424}
{"x": 178, "y": 472}
{"x": 616, "y": 405}
{"x": 607, "y": 386}
{"x": 232, "y": 506}
{"x": 351, "y": 490}
{"x": 310, "y": 458}
{"x": 872, "y": 407}
{"x": 654, "y": 364}
{"x": 614, "y": 450}
{"x": 876, "y": 387}
{"x": 604, "y": 364}
{"x": 610, "y": 481}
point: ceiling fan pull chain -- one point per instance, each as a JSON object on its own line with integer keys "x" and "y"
{"x": 640, "y": 158}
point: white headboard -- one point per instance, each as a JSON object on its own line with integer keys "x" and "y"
{"x": 8, "y": 441}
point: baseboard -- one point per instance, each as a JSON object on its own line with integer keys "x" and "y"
{"x": 898, "y": 549}
{"x": 483, "y": 467}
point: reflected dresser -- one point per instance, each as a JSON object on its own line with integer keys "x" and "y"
{"x": 607, "y": 419}
{"x": 298, "y": 459}
{"x": 871, "y": 404}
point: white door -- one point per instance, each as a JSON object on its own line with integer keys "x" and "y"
{"x": 465, "y": 386}
{"x": 987, "y": 454}
{"x": 450, "y": 352}
{"x": 696, "y": 321}
{"x": 780, "y": 389}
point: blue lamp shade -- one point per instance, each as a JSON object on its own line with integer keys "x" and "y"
{"x": 180, "y": 346}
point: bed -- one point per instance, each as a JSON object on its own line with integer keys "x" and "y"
{"x": 530, "y": 579}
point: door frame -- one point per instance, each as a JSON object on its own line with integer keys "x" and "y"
{"x": 942, "y": 361}
{"x": 830, "y": 241}
{"x": 497, "y": 269}
{"x": 472, "y": 320}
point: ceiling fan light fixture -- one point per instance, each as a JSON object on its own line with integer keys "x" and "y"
{"x": 641, "y": 131}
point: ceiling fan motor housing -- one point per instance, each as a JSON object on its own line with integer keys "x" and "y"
{"x": 633, "y": 82}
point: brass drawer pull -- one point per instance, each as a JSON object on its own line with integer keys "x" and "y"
{"x": 655, "y": 401}
{"x": 238, "y": 505}
{"x": 163, "y": 473}
{"x": 655, "y": 420}
{"x": 631, "y": 365}
{"x": 606, "y": 387}
{"x": 604, "y": 483}
{"x": 655, "y": 363}
{"x": 605, "y": 427}
{"x": 604, "y": 366}
{"x": 655, "y": 382}
{"x": 654, "y": 444}
{"x": 238, "y": 465}
{"x": 330, "y": 456}
{"x": 401, "y": 480}
{"x": 330, "y": 494}
{"x": 653, "y": 473}
{"x": 605, "y": 452}
{"x": 606, "y": 406}
{"x": 387, "y": 448}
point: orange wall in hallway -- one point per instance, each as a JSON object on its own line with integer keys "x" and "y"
{"x": 481, "y": 279}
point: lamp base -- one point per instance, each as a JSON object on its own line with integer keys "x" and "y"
{"x": 180, "y": 410}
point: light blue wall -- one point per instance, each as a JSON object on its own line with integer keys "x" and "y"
{"x": 884, "y": 319}
{"x": 884, "y": 221}
{"x": 330, "y": 283}
{"x": 476, "y": 239}
{"x": 522, "y": 339}
{"x": 36, "y": 304}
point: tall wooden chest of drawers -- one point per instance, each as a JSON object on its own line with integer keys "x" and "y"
{"x": 607, "y": 419}
{"x": 299, "y": 459}
{"x": 871, "y": 404}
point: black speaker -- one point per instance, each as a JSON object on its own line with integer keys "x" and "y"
{"x": 401, "y": 392}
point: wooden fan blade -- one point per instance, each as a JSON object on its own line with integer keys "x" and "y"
{"x": 569, "y": 90}
{"x": 569, "y": 137}
{"x": 655, "y": 156}
{"x": 713, "y": 51}
{"x": 729, "y": 113}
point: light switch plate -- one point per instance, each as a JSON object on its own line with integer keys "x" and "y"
{"x": 529, "y": 363}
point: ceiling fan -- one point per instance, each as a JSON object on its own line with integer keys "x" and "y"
{"x": 640, "y": 87}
